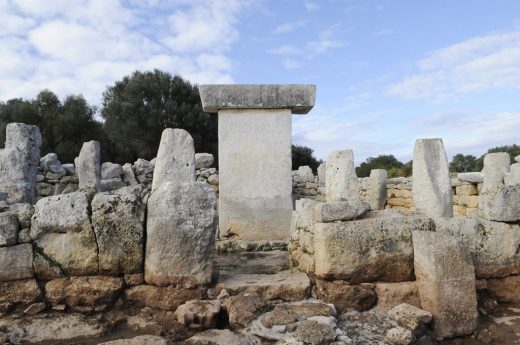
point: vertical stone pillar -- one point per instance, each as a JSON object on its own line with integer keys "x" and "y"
{"x": 19, "y": 163}
{"x": 496, "y": 166}
{"x": 341, "y": 182}
{"x": 377, "y": 191}
{"x": 322, "y": 174}
{"x": 431, "y": 190}
{"x": 254, "y": 134}
{"x": 88, "y": 166}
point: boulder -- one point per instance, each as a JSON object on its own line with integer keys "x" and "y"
{"x": 289, "y": 313}
{"x": 431, "y": 191}
{"x": 496, "y": 166}
{"x": 8, "y": 229}
{"x": 143, "y": 167}
{"x": 16, "y": 262}
{"x": 203, "y": 160}
{"x": 345, "y": 296}
{"x": 410, "y": 317}
{"x": 88, "y": 166}
{"x": 472, "y": 177}
{"x": 326, "y": 212}
{"x": 513, "y": 177}
{"x": 377, "y": 191}
{"x": 198, "y": 314}
{"x": 62, "y": 231}
{"x": 164, "y": 298}
{"x": 70, "y": 169}
{"x": 23, "y": 213}
{"x": 312, "y": 332}
{"x": 390, "y": 295}
{"x": 112, "y": 184}
{"x": 111, "y": 170}
{"x": 399, "y": 336}
{"x": 341, "y": 181}
{"x": 181, "y": 231}
{"x": 93, "y": 291}
{"x": 128, "y": 175}
{"x": 378, "y": 248}
{"x": 19, "y": 163}
{"x": 500, "y": 203}
{"x": 242, "y": 309}
{"x": 446, "y": 281}
{"x": 118, "y": 222}
{"x": 51, "y": 163}
{"x": 23, "y": 292}
{"x": 175, "y": 159}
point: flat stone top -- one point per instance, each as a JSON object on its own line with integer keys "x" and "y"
{"x": 298, "y": 98}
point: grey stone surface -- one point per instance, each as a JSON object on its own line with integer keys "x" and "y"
{"x": 19, "y": 162}
{"x": 111, "y": 184}
{"x": 255, "y": 185}
{"x": 143, "y": 167}
{"x": 513, "y": 177}
{"x": 517, "y": 159}
{"x": 496, "y": 166}
{"x": 431, "y": 190}
{"x": 62, "y": 231}
{"x": 111, "y": 170}
{"x": 70, "y": 169}
{"x": 341, "y": 181}
{"x": 16, "y": 262}
{"x": 181, "y": 230}
{"x": 322, "y": 173}
{"x": 51, "y": 163}
{"x": 88, "y": 166}
{"x": 175, "y": 159}
{"x": 204, "y": 160}
{"x": 473, "y": 177}
{"x": 500, "y": 203}
{"x": 8, "y": 229}
{"x": 299, "y": 99}
{"x": 377, "y": 192}
{"x": 446, "y": 281}
{"x": 118, "y": 222}
{"x": 128, "y": 175}
{"x": 326, "y": 212}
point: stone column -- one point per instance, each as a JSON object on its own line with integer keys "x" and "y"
{"x": 341, "y": 182}
{"x": 322, "y": 172}
{"x": 377, "y": 191}
{"x": 88, "y": 166}
{"x": 255, "y": 184}
{"x": 431, "y": 190}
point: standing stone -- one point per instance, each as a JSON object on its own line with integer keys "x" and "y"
{"x": 88, "y": 166}
{"x": 255, "y": 183}
{"x": 181, "y": 230}
{"x": 19, "y": 163}
{"x": 496, "y": 166}
{"x": 514, "y": 175}
{"x": 118, "y": 221}
{"x": 500, "y": 203}
{"x": 204, "y": 160}
{"x": 175, "y": 158}
{"x": 341, "y": 181}
{"x": 128, "y": 175}
{"x": 377, "y": 192}
{"x": 16, "y": 262}
{"x": 322, "y": 172}
{"x": 431, "y": 179}
{"x": 446, "y": 281}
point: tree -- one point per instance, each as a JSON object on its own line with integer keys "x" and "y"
{"x": 380, "y": 162}
{"x": 64, "y": 126}
{"x": 139, "y": 107}
{"x": 463, "y": 163}
{"x": 302, "y": 155}
{"x": 407, "y": 169}
{"x": 513, "y": 150}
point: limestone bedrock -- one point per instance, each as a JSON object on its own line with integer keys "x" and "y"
{"x": 254, "y": 130}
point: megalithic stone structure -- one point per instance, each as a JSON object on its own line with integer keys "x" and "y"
{"x": 431, "y": 190}
{"x": 254, "y": 134}
{"x": 341, "y": 182}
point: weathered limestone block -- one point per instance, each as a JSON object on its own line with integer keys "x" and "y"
{"x": 139, "y": 340}
{"x": 390, "y": 295}
{"x": 111, "y": 170}
{"x": 506, "y": 290}
{"x": 500, "y": 203}
{"x": 70, "y": 169}
{"x": 19, "y": 163}
{"x": 496, "y": 166}
{"x": 513, "y": 177}
{"x": 175, "y": 159}
{"x": 242, "y": 309}
{"x": 16, "y": 262}
{"x": 23, "y": 213}
{"x": 204, "y": 160}
{"x": 473, "y": 177}
{"x": 24, "y": 291}
{"x": 410, "y": 317}
{"x": 198, "y": 314}
{"x": 322, "y": 173}
{"x": 61, "y": 229}
{"x": 344, "y": 296}
{"x": 341, "y": 181}
{"x": 326, "y": 212}
{"x": 377, "y": 191}
{"x": 88, "y": 166}
{"x": 118, "y": 221}
{"x": 493, "y": 245}
{"x": 44, "y": 267}
{"x": 90, "y": 291}
{"x": 222, "y": 336}
{"x": 431, "y": 179}
{"x": 181, "y": 231}
{"x": 164, "y": 298}
{"x": 112, "y": 184}
{"x": 446, "y": 280}
{"x": 128, "y": 175}
{"x": 8, "y": 229}
{"x": 367, "y": 250}
{"x": 289, "y": 313}
{"x": 50, "y": 162}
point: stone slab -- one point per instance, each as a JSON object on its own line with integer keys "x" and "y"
{"x": 299, "y": 99}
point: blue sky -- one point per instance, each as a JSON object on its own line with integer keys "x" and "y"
{"x": 387, "y": 72}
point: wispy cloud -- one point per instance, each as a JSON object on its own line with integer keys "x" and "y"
{"x": 286, "y": 49}
{"x": 310, "y": 6}
{"x": 289, "y": 27}
{"x": 475, "y": 65}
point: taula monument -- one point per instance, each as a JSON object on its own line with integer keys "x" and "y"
{"x": 174, "y": 251}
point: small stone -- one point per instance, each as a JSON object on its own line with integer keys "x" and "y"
{"x": 399, "y": 336}
{"x": 35, "y": 308}
{"x": 243, "y": 309}
{"x": 312, "y": 332}
{"x": 203, "y": 160}
{"x": 213, "y": 180}
{"x": 198, "y": 314}
{"x": 50, "y": 162}
{"x": 111, "y": 170}
{"x": 111, "y": 184}
{"x": 223, "y": 294}
{"x": 70, "y": 169}
{"x": 8, "y": 229}
{"x": 410, "y": 317}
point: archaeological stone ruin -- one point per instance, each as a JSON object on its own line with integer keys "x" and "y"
{"x": 174, "y": 251}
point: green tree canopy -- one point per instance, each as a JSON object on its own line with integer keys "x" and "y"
{"x": 302, "y": 155}
{"x": 139, "y": 107}
{"x": 64, "y": 126}
{"x": 463, "y": 163}
{"x": 388, "y": 162}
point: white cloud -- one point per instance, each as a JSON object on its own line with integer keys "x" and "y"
{"x": 289, "y": 27}
{"x": 82, "y": 46}
{"x": 477, "y": 64}
{"x": 286, "y": 49}
{"x": 310, "y": 6}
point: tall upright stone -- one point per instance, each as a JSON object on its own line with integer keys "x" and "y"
{"x": 175, "y": 159}
{"x": 341, "y": 182}
{"x": 496, "y": 166}
{"x": 254, "y": 129}
{"x": 88, "y": 166}
{"x": 322, "y": 174}
{"x": 431, "y": 179}
{"x": 19, "y": 163}
{"x": 377, "y": 191}
{"x": 446, "y": 282}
